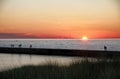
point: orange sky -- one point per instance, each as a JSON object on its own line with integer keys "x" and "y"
{"x": 59, "y": 19}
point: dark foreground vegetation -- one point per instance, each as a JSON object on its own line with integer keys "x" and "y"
{"x": 101, "y": 69}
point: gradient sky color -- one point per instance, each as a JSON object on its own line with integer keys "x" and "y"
{"x": 59, "y": 19}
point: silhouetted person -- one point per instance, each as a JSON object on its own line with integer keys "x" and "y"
{"x": 20, "y": 45}
{"x": 30, "y": 46}
{"x": 105, "y": 48}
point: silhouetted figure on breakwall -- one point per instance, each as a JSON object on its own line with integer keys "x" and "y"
{"x": 105, "y": 48}
{"x": 30, "y": 46}
{"x": 20, "y": 45}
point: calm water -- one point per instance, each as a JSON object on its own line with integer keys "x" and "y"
{"x": 8, "y": 61}
{"x": 93, "y": 44}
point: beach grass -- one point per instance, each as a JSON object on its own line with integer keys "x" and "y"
{"x": 101, "y": 69}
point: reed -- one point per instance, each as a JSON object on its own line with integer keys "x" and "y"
{"x": 101, "y": 69}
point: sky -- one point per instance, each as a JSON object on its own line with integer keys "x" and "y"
{"x": 59, "y": 18}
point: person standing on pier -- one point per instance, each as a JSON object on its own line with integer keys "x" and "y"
{"x": 105, "y": 48}
{"x": 20, "y": 45}
{"x": 30, "y": 46}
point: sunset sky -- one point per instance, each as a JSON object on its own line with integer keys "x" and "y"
{"x": 59, "y": 19}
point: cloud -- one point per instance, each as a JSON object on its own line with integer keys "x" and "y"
{"x": 29, "y": 36}
{"x": 16, "y": 35}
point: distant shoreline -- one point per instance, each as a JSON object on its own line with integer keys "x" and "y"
{"x": 59, "y": 52}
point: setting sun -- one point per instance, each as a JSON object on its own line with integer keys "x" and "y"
{"x": 60, "y": 19}
{"x": 84, "y": 38}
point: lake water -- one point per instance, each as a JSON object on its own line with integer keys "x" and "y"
{"x": 92, "y": 44}
{"x": 8, "y": 61}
